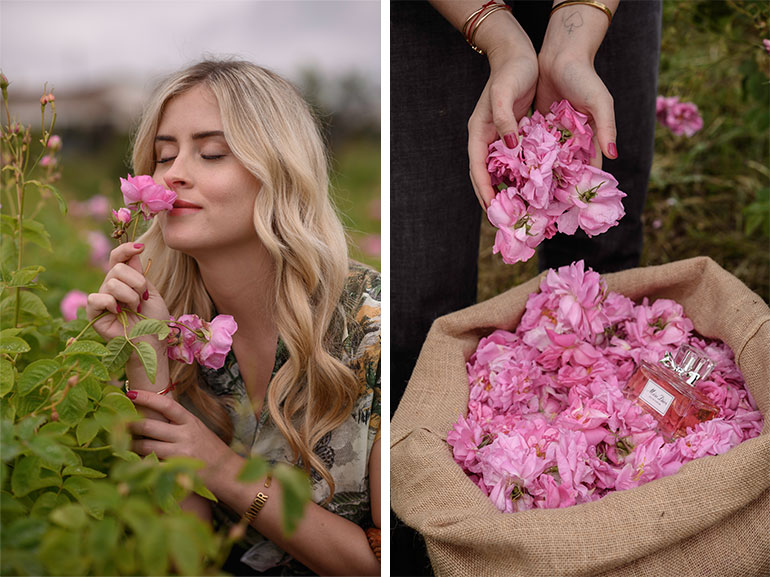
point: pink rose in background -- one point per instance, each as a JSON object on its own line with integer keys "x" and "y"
{"x": 100, "y": 249}
{"x": 679, "y": 117}
{"x": 142, "y": 193}
{"x": 54, "y": 142}
{"x": 766, "y": 44}
{"x": 71, "y": 302}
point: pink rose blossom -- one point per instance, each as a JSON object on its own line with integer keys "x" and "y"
{"x": 71, "y": 302}
{"x": 122, "y": 216}
{"x": 679, "y": 117}
{"x": 100, "y": 249}
{"x": 766, "y": 44}
{"x": 595, "y": 203}
{"x": 54, "y": 142}
{"x": 219, "y": 335}
{"x": 142, "y": 193}
{"x": 208, "y": 343}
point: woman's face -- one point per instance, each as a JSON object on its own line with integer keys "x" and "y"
{"x": 215, "y": 193}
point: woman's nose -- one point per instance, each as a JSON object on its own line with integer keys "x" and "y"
{"x": 177, "y": 175}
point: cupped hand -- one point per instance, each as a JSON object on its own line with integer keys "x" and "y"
{"x": 124, "y": 289}
{"x": 506, "y": 98}
{"x": 572, "y": 77}
{"x": 184, "y": 435}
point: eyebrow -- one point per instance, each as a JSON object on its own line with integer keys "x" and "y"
{"x": 195, "y": 136}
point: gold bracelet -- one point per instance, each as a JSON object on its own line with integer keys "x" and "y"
{"x": 597, "y": 5}
{"x": 168, "y": 389}
{"x": 489, "y": 12}
{"x": 258, "y": 503}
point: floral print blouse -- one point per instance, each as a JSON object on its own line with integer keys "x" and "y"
{"x": 345, "y": 450}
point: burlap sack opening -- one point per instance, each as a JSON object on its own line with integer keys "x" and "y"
{"x": 711, "y": 518}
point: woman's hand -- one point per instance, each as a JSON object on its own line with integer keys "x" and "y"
{"x": 572, "y": 38}
{"x": 506, "y": 98}
{"x": 184, "y": 435}
{"x": 125, "y": 289}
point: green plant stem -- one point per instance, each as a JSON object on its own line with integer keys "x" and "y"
{"x": 136, "y": 223}
{"x": 88, "y": 326}
{"x": 20, "y": 243}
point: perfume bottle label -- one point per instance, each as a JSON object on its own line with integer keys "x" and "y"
{"x": 656, "y": 397}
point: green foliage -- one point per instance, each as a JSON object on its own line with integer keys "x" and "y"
{"x": 74, "y": 499}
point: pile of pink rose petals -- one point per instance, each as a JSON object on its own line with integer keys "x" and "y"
{"x": 548, "y": 424}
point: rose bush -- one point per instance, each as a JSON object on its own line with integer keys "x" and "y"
{"x": 74, "y": 499}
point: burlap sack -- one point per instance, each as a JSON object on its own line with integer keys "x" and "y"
{"x": 711, "y": 518}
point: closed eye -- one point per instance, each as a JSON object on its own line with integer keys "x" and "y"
{"x": 212, "y": 156}
{"x": 165, "y": 160}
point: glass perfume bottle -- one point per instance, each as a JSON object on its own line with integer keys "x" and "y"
{"x": 666, "y": 390}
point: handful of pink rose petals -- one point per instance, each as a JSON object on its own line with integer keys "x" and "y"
{"x": 548, "y": 424}
{"x": 546, "y": 184}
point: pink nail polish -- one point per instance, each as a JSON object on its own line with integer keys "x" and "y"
{"x": 131, "y": 395}
{"x": 139, "y": 307}
{"x": 612, "y": 149}
{"x": 120, "y": 309}
{"x": 510, "y": 140}
{"x": 146, "y": 295}
{"x": 138, "y": 245}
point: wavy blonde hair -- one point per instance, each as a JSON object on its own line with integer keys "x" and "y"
{"x": 272, "y": 132}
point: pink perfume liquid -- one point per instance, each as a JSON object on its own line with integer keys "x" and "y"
{"x": 667, "y": 397}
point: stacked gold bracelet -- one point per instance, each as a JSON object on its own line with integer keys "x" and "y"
{"x": 257, "y": 504}
{"x": 472, "y": 23}
{"x": 592, "y": 3}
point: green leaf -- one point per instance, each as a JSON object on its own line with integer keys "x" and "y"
{"x": 73, "y": 407}
{"x": 7, "y": 376}
{"x": 119, "y": 403}
{"x": 87, "y": 364}
{"x": 81, "y": 471}
{"x": 150, "y": 327}
{"x": 7, "y": 225}
{"x": 253, "y": 470}
{"x": 28, "y": 426}
{"x": 47, "y": 502}
{"x": 85, "y": 347}
{"x": 52, "y": 452}
{"x": 93, "y": 387}
{"x": 23, "y": 533}
{"x": 9, "y": 505}
{"x": 13, "y": 345}
{"x": 35, "y": 232}
{"x": 149, "y": 359}
{"x": 186, "y": 550}
{"x": 203, "y": 491}
{"x": 9, "y": 447}
{"x": 118, "y": 352}
{"x": 103, "y": 541}
{"x": 61, "y": 553}
{"x": 53, "y": 429}
{"x": 153, "y": 546}
{"x": 103, "y": 496}
{"x": 296, "y": 493}
{"x": 25, "y": 276}
{"x": 86, "y": 431}
{"x": 36, "y": 374}
{"x": 87, "y": 493}
{"x": 33, "y": 308}
{"x": 70, "y": 516}
{"x": 28, "y": 476}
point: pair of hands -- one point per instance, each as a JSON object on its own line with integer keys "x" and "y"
{"x": 169, "y": 429}
{"x": 518, "y": 77}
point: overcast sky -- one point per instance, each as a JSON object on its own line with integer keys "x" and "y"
{"x": 70, "y": 43}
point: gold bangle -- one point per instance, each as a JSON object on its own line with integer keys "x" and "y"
{"x": 256, "y": 507}
{"x": 597, "y": 5}
{"x": 258, "y": 503}
{"x": 168, "y": 389}
{"x": 492, "y": 10}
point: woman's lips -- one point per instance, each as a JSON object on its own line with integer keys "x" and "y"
{"x": 183, "y": 207}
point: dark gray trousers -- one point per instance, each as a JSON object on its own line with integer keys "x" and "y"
{"x": 435, "y": 219}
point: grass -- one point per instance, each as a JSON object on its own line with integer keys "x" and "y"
{"x": 708, "y": 194}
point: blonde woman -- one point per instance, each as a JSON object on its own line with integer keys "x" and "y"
{"x": 253, "y": 234}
